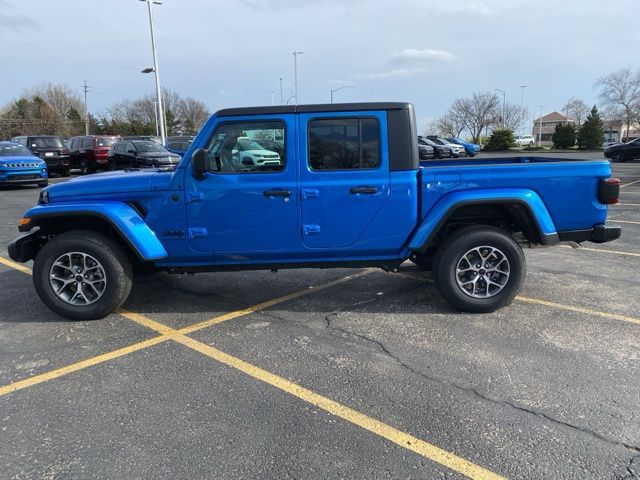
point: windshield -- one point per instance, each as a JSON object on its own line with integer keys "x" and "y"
{"x": 14, "y": 150}
{"x": 106, "y": 141}
{"x": 150, "y": 147}
{"x": 249, "y": 145}
{"x": 45, "y": 142}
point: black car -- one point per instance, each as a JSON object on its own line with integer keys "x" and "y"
{"x": 140, "y": 154}
{"x": 621, "y": 152}
{"x": 49, "y": 148}
{"x": 425, "y": 151}
{"x": 440, "y": 150}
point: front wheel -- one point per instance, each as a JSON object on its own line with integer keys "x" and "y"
{"x": 82, "y": 275}
{"x": 84, "y": 167}
{"x": 479, "y": 269}
{"x": 65, "y": 172}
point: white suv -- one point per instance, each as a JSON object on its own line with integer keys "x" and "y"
{"x": 525, "y": 141}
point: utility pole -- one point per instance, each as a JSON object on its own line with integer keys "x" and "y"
{"x": 86, "y": 112}
{"x": 540, "y": 125}
{"x": 295, "y": 76}
{"x": 504, "y": 99}
{"x": 281, "y": 97}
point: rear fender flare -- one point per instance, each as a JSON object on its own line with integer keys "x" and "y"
{"x": 439, "y": 214}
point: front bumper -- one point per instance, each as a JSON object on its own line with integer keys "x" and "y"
{"x": 25, "y": 247}
{"x": 12, "y": 177}
{"x": 598, "y": 234}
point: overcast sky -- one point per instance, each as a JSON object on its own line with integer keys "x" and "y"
{"x": 233, "y": 52}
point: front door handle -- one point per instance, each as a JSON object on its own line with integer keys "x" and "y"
{"x": 365, "y": 190}
{"x": 277, "y": 193}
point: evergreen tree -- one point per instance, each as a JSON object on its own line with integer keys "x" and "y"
{"x": 500, "y": 139}
{"x": 564, "y": 136}
{"x": 591, "y": 133}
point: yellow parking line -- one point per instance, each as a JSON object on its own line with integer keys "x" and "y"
{"x": 355, "y": 417}
{"x": 630, "y": 183}
{"x": 15, "y": 266}
{"x": 571, "y": 308}
{"x": 269, "y": 303}
{"x": 74, "y": 367}
{"x": 602, "y": 250}
{"x": 627, "y": 221}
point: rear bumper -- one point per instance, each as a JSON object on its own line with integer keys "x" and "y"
{"x": 598, "y": 234}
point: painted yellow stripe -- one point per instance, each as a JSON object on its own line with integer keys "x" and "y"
{"x": 269, "y": 303}
{"x": 74, "y": 367}
{"x": 15, "y": 266}
{"x": 627, "y": 221}
{"x": 630, "y": 183}
{"x": 571, "y": 308}
{"x": 602, "y": 250}
{"x": 366, "y": 422}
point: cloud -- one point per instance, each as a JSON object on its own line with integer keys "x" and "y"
{"x": 414, "y": 56}
{"x": 14, "y": 22}
{"x": 470, "y": 8}
{"x": 394, "y": 73}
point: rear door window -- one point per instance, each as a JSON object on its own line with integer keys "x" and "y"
{"x": 344, "y": 144}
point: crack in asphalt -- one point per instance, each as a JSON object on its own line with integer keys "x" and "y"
{"x": 484, "y": 396}
{"x": 633, "y": 469}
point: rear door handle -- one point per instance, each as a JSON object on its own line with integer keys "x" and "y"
{"x": 277, "y": 193}
{"x": 365, "y": 190}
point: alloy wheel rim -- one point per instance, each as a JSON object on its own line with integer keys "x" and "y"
{"x": 482, "y": 272}
{"x": 78, "y": 278}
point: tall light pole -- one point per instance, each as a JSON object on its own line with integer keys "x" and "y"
{"x": 340, "y": 88}
{"x": 540, "y": 125}
{"x": 504, "y": 97}
{"x": 86, "y": 112}
{"x": 522, "y": 87}
{"x": 295, "y": 76}
{"x": 281, "y": 97}
{"x": 155, "y": 69}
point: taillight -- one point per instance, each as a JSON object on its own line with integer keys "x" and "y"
{"x": 609, "y": 191}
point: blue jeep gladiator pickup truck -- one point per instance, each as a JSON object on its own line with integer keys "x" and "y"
{"x": 311, "y": 186}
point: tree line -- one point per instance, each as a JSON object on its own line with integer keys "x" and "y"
{"x": 51, "y": 109}
{"x": 618, "y": 94}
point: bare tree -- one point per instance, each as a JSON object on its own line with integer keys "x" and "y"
{"x": 621, "y": 88}
{"x": 476, "y": 112}
{"x": 449, "y": 125}
{"x": 575, "y": 109}
{"x": 513, "y": 117}
{"x": 193, "y": 114}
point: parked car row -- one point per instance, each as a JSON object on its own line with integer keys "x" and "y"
{"x": 92, "y": 153}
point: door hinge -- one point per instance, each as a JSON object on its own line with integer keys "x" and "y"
{"x": 197, "y": 232}
{"x": 311, "y": 229}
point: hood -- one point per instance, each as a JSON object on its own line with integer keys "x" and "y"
{"x": 158, "y": 154}
{"x": 111, "y": 183}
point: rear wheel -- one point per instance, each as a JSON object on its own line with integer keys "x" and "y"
{"x": 111, "y": 166}
{"x": 65, "y": 172}
{"x": 479, "y": 269}
{"x": 82, "y": 275}
{"x": 617, "y": 157}
{"x": 84, "y": 167}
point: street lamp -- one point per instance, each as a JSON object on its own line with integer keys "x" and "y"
{"x": 540, "y": 126}
{"x": 504, "y": 96}
{"x": 340, "y": 88}
{"x": 155, "y": 69}
{"x": 295, "y": 76}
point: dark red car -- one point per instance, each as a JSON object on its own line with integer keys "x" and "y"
{"x": 89, "y": 153}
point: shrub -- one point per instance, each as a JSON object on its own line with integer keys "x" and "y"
{"x": 564, "y": 136}
{"x": 500, "y": 139}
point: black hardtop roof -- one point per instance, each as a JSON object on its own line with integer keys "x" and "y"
{"x": 316, "y": 108}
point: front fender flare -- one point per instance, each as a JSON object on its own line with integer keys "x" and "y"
{"x": 119, "y": 215}
{"x": 444, "y": 208}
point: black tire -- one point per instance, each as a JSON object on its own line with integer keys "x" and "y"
{"x": 111, "y": 166}
{"x": 116, "y": 266}
{"x": 617, "y": 157}
{"x": 84, "y": 167}
{"x": 65, "y": 172}
{"x": 451, "y": 253}
{"x": 530, "y": 144}
{"x": 43, "y": 184}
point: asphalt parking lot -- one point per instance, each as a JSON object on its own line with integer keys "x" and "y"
{"x": 323, "y": 374}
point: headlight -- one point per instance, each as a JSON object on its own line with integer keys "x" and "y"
{"x": 257, "y": 155}
{"x": 43, "y": 199}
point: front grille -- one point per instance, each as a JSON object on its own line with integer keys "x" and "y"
{"x": 23, "y": 177}
{"x": 22, "y": 165}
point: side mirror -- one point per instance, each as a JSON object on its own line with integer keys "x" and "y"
{"x": 199, "y": 162}
{"x": 132, "y": 152}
